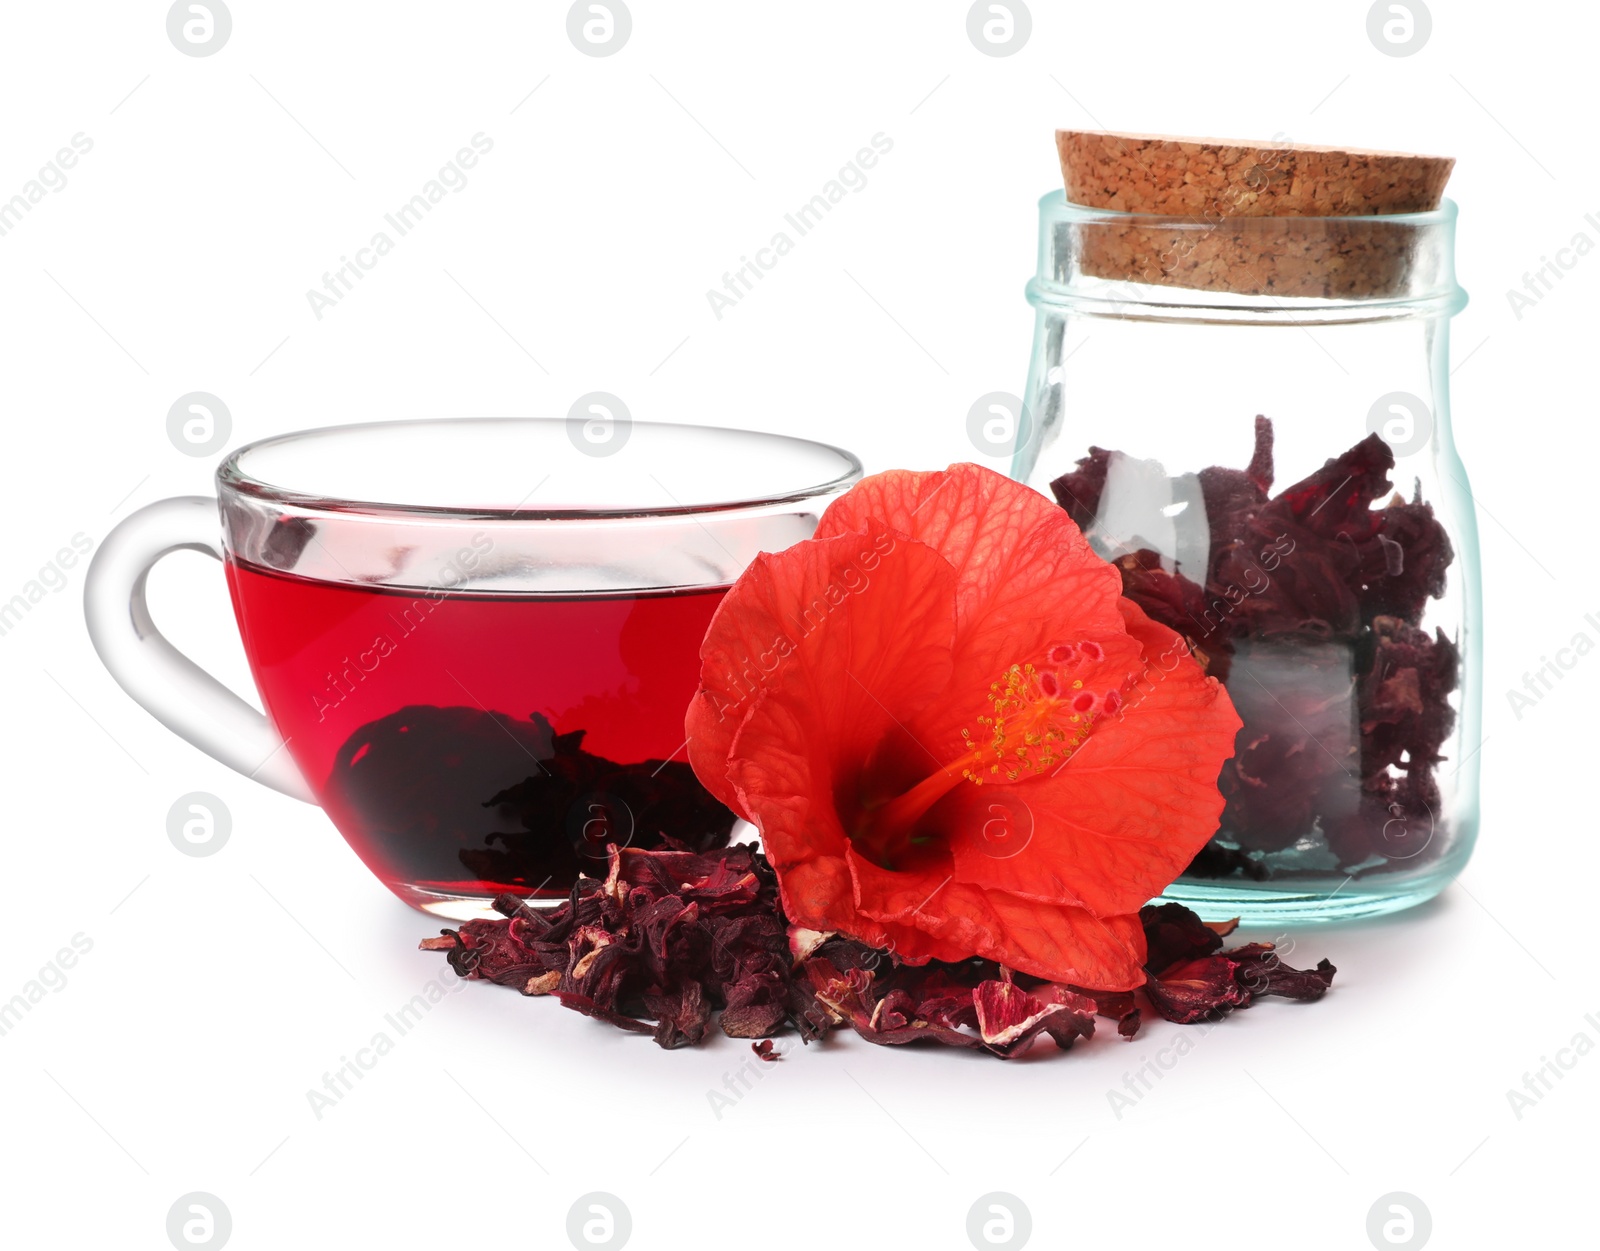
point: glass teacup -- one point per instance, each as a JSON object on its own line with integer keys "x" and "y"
{"x": 475, "y": 640}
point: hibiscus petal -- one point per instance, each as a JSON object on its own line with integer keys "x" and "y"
{"x": 1125, "y": 814}
{"x": 1007, "y": 1013}
{"x": 800, "y": 828}
{"x": 1021, "y": 564}
{"x": 840, "y": 689}
{"x": 836, "y": 620}
{"x": 1058, "y": 942}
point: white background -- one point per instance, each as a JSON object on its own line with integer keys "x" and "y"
{"x": 218, "y": 990}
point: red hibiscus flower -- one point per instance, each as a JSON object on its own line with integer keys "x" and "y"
{"x": 955, "y": 735}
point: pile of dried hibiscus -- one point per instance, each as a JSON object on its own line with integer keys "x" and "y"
{"x": 1316, "y": 595}
{"x": 672, "y": 936}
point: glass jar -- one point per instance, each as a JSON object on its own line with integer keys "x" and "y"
{"x": 1249, "y": 416}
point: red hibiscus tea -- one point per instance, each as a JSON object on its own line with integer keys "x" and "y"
{"x": 469, "y": 744}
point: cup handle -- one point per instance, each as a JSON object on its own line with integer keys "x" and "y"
{"x": 166, "y": 683}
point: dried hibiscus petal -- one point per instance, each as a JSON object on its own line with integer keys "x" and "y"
{"x": 1187, "y": 987}
{"x": 1261, "y": 972}
{"x": 1199, "y": 990}
{"x": 1173, "y": 934}
{"x": 754, "y": 1009}
{"x": 1079, "y": 492}
{"x": 1007, "y": 1015}
{"x": 681, "y": 1015}
{"x": 925, "y": 1005}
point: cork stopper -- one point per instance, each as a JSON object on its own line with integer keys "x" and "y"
{"x": 1221, "y": 188}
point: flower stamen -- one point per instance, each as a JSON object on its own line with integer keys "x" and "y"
{"x": 1040, "y": 719}
{"x": 1035, "y": 726}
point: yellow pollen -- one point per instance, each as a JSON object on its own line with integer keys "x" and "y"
{"x": 1029, "y": 731}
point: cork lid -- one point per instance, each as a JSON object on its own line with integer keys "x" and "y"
{"x": 1214, "y": 184}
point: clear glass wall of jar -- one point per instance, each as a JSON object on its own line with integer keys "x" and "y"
{"x": 1250, "y": 417}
